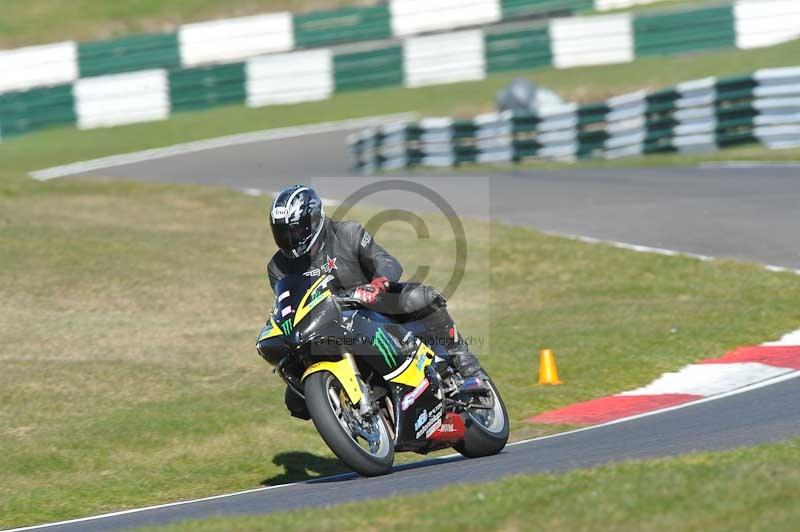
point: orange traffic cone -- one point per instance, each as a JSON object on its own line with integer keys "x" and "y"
{"x": 548, "y": 374}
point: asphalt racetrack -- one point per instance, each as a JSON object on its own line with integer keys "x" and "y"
{"x": 762, "y": 415}
{"x": 748, "y": 213}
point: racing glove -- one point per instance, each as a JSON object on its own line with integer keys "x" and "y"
{"x": 368, "y": 293}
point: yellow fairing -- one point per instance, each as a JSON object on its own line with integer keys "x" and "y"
{"x": 415, "y": 372}
{"x": 306, "y": 305}
{"x": 274, "y": 330}
{"x": 343, "y": 372}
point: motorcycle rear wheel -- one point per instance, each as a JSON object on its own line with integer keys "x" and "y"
{"x": 487, "y": 430}
{"x": 368, "y": 451}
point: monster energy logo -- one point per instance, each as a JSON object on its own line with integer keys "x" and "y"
{"x": 385, "y": 346}
{"x": 286, "y": 327}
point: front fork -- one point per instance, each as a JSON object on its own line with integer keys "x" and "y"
{"x": 365, "y": 405}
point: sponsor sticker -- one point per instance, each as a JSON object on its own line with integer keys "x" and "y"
{"x": 427, "y": 423}
{"x": 421, "y": 361}
{"x": 433, "y": 428}
{"x": 280, "y": 212}
{"x": 411, "y": 397}
{"x": 421, "y": 420}
{"x": 327, "y": 267}
{"x": 330, "y": 264}
{"x": 447, "y": 427}
{"x": 366, "y": 239}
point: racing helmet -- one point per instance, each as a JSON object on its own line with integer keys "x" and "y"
{"x": 296, "y": 219}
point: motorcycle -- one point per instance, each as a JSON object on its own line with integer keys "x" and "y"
{"x": 372, "y": 387}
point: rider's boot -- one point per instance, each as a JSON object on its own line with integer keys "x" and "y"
{"x": 440, "y": 325}
{"x": 464, "y": 361}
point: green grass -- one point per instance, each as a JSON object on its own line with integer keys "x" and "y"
{"x": 130, "y": 312}
{"x": 463, "y": 100}
{"x": 744, "y": 489}
{"x": 46, "y": 21}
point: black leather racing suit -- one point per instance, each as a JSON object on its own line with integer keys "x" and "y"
{"x": 349, "y": 253}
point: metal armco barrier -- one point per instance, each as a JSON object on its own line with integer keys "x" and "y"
{"x": 255, "y": 60}
{"x": 696, "y": 116}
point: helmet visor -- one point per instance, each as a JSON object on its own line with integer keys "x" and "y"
{"x": 295, "y": 238}
{"x": 289, "y": 236}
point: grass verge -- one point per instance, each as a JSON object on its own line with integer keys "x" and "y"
{"x": 130, "y": 312}
{"x": 744, "y": 489}
{"x": 61, "y": 145}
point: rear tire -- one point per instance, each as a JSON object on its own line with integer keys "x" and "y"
{"x": 342, "y": 443}
{"x": 478, "y": 439}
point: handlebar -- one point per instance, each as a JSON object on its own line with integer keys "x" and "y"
{"x": 345, "y": 297}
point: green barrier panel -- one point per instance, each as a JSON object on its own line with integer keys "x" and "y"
{"x": 661, "y": 101}
{"x": 464, "y": 129}
{"x": 686, "y": 31}
{"x": 139, "y": 52}
{"x": 342, "y": 25}
{"x": 661, "y": 146}
{"x": 736, "y": 138}
{"x": 735, "y": 88}
{"x": 592, "y": 113}
{"x": 524, "y": 123}
{"x": 364, "y": 70}
{"x": 201, "y": 88}
{"x": 540, "y": 8}
{"x": 518, "y": 50}
{"x": 21, "y": 112}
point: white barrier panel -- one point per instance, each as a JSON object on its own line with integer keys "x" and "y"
{"x": 626, "y": 124}
{"x": 592, "y": 40}
{"x": 607, "y": 5}
{"x": 781, "y": 75}
{"x": 289, "y": 78}
{"x": 235, "y": 38}
{"x": 410, "y": 17}
{"x": 36, "y": 66}
{"x": 122, "y": 99}
{"x": 445, "y": 58}
{"x": 766, "y": 22}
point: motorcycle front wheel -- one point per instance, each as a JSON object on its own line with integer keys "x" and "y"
{"x": 364, "y": 445}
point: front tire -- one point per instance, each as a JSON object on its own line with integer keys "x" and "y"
{"x": 486, "y": 430}
{"x": 333, "y": 416}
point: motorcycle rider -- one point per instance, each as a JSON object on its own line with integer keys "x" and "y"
{"x": 312, "y": 245}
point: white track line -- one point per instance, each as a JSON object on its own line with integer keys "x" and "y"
{"x": 213, "y": 143}
{"x": 657, "y": 251}
{"x": 763, "y": 384}
{"x": 750, "y": 165}
{"x": 167, "y": 505}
